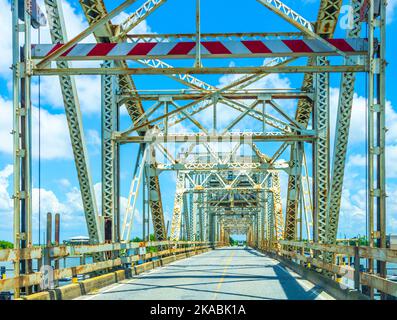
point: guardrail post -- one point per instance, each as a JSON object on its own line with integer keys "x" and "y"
{"x": 357, "y": 267}
{"x": 47, "y": 258}
{"x": 57, "y": 231}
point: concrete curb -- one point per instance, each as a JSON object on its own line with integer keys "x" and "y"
{"x": 74, "y": 290}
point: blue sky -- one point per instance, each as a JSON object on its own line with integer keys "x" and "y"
{"x": 59, "y": 185}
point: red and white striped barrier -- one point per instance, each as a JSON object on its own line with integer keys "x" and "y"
{"x": 209, "y": 49}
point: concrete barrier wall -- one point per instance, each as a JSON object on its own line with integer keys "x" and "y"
{"x": 143, "y": 267}
{"x": 37, "y": 296}
{"x": 74, "y": 290}
{"x": 167, "y": 260}
{"x": 180, "y": 256}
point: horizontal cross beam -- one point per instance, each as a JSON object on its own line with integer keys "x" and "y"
{"x": 243, "y": 95}
{"x": 201, "y": 138}
{"x": 203, "y": 70}
{"x": 209, "y": 49}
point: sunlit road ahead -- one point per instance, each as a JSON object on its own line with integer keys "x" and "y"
{"x": 226, "y": 273}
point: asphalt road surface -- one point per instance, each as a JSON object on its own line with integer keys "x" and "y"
{"x": 234, "y": 273}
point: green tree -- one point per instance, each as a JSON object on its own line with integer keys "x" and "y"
{"x": 232, "y": 241}
{"x": 136, "y": 239}
{"x": 6, "y": 245}
{"x": 359, "y": 240}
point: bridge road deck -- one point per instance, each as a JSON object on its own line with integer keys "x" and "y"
{"x": 233, "y": 273}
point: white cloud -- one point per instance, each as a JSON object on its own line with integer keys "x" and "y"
{"x": 6, "y": 40}
{"x": 358, "y": 118}
{"x": 93, "y": 139}
{"x": 70, "y": 210}
{"x": 55, "y": 141}
{"x": 6, "y": 202}
{"x": 6, "y": 125}
{"x": 391, "y": 160}
{"x": 356, "y": 160}
{"x": 88, "y": 89}
{"x": 352, "y": 214}
{"x": 64, "y": 182}
{"x": 391, "y": 10}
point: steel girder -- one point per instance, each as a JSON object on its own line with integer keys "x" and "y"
{"x": 178, "y": 206}
{"x": 185, "y": 232}
{"x": 294, "y": 182}
{"x": 73, "y": 116}
{"x": 110, "y": 157}
{"x": 155, "y": 202}
{"x": 325, "y": 25}
{"x": 376, "y": 134}
{"x": 192, "y": 216}
{"x": 136, "y": 17}
{"x": 321, "y": 153}
{"x": 231, "y": 49}
{"x": 22, "y": 174}
{"x": 125, "y": 71}
{"x": 287, "y": 13}
{"x": 342, "y": 135}
{"x": 274, "y": 184}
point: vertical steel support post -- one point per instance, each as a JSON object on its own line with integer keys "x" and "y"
{"x": 321, "y": 151}
{"x": 17, "y": 154}
{"x": 155, "y": 203}
{"x": 178, "y": 207}
{"x": 203, "y": 204}
{"x": 57, "y": 239}
{"x": 144, "y": 190}
{"x": 270, "y": 215}
{"x": 277, "y": 219}
{"x": 48, "y": 243}
{"x": 211, "y": 226}
{"x": 376, "y": 133}
{"x": 197, "y": 62}
{"x": 294, "y": 184}
{"x": 110, "y": 158}
{"x": 22, "y": 72}
{"x": 342, "y": 134}
{"x": 193, "y": 216}
{"x": 186, "y": 207}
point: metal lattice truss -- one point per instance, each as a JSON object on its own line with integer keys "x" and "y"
{"x": 228, "y": 179}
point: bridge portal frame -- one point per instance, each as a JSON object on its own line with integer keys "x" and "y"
{"x": 24, "y": 68}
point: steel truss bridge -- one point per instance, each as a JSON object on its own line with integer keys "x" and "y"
{"x": 218, "y": 192}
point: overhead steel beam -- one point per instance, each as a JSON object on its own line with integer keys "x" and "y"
{"x": 213, "y": 49}
{"x": 204, "y": 70}
{"x": 201, "y": 138}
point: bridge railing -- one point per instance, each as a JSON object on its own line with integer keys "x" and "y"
{"x": 115, "y": 256}
{"x": 303, "y": 253}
